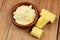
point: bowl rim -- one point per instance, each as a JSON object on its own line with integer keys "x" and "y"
{"x": 20, "y": 4}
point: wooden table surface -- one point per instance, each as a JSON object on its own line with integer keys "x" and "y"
{"x": 8, "y": 31}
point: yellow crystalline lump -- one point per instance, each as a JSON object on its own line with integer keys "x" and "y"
{"x": 24, "y": 14}
{"x": 41, "y": 22}
{"x": 46, "y": 17}
{"x": 36, "y": 32}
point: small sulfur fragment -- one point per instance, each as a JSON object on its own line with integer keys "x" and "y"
{"x": 36, "y": 32}
{"x": 48, "y": 15}
{"x": 41, "y": 22}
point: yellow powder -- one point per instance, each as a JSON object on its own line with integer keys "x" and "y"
{"x": 24, "y": 14}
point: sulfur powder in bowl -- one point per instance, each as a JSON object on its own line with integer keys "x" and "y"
{"x": 24, "y": 14}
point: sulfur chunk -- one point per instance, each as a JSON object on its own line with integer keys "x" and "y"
{"x": 36, "y": 32}
{"x": 42, "y": 21}
{"x": 48, "y": 15}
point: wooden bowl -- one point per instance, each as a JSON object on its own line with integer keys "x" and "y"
{"x": 20, "y": 4}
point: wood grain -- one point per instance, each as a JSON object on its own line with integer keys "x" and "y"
{"x": 59, "y": 22}
{"x": 8, "y": 31}
{"x": 59, "y": 31}
{"x": 4, "y": 19}
{"x": 1, "y": 2}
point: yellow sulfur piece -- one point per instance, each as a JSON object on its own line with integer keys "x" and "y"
{"x": 36, "y": 32}
{"x": 48, "y": 15}
{"x": 42, "y": 21}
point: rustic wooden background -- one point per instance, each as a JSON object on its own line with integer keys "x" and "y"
{"x": 8, "y": 31}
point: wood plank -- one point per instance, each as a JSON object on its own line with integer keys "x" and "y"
{"x": 1, "y": 2}
{"x": 50, "y": 31}
{"x": 5, "y": 22}
{"x": 59, "y": 31}
{"x": 59, "y": 23}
